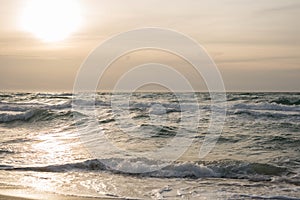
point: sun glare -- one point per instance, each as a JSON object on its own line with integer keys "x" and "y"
{"x": 51, "y": 20}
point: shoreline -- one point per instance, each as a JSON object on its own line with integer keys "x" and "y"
{"x": 51, "y": 197}
{"x": 45, "y": 196}
{"x": 5, "y": 197}
{"x": 9, "y": 192}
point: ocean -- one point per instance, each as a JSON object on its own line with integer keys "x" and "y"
{"x": 46, "y": 146}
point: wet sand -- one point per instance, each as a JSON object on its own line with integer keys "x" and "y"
{"x": 46, "y": 197}
{"x": 54, "y": 197}
{"x": 18, "y": 193}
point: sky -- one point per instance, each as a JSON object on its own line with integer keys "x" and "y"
{"x": 254, "y": 43}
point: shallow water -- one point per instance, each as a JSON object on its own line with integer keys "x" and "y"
{"x": 46, "y": 145}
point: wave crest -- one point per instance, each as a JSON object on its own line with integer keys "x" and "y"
{"x": 34, "y": 115}
{"x": 217, "y": 169}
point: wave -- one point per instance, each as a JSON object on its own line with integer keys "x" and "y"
{"x": 29, "y": 106}
{"x": 35, "y": 115}
{"x": 268, "y": 110}
{"x": 4, "y": 151}
{"x": 266, "y": 106}
{"x": 285, "y": 140}
{"x": 15, "y": 116}
{"x": 19, "y": 106}
{"x": 54, "y": 95}
{"x": 217, "y": 169}
{"x": 6, "y": 96}
{"x": 26, "y": 111}
{"x": 287, "y": 101}
{"x": 269, "y": 114}
{"x": 90, "y": 103}
{"x": 159, "y": 131}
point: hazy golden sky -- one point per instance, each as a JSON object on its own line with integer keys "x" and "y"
{"x": 255, "y": 43}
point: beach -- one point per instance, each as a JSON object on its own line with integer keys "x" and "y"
{"x": 18, "y": 193}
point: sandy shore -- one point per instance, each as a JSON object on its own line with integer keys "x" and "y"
{"x": 18, "y": 193}
{"x": 3, "y": 197}
{"x": 47, "y": 197}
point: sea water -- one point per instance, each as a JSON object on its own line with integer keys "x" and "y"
{"x": 257, "y": 155}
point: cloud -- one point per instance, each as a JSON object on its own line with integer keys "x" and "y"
{"x": 29, "y": 57}
{"x": 256, "y": 59}
{"x": 281, "y": 8}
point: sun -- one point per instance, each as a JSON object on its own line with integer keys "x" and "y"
{"x": 51, "y": 20}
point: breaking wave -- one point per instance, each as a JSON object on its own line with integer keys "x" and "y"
{"x": 286, "y": 101}
{"x": 34, "y": 115}
{"x": 217, "y": 169}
